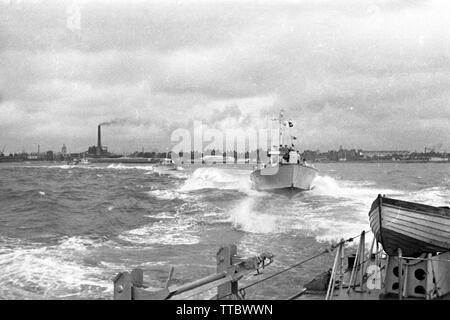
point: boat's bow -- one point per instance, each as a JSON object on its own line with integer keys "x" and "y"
{"x": 284, "y": 176}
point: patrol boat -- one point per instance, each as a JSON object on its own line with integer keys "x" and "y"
{"x": 285, "y": 168}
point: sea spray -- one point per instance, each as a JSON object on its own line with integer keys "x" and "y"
{"x": 55, "y": 271}
{"x": 325, "y": 185}
{"x": 168, "y": 194}
{"x": 359, "y": 191}
{"x": 244, "y": 217}
{"x": 175, "y": 232}
{"x": 204, "y": 178}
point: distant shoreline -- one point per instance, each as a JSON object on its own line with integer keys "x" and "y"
{"x": 382, "y": 161}
{"x": 152, "y": 161}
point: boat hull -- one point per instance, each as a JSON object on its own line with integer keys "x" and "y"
{"x": 413, "y": 227}
{"x": 287, "y": 176}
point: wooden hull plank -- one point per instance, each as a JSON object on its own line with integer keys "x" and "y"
{"x": 413, "y": 227}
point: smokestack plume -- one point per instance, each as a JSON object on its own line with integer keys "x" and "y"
{"x": 99, "y": 137}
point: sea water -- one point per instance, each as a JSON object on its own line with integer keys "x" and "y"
{"x": 66, "y": 231}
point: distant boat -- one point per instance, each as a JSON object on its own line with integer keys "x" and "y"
{"x": 170, "y": 164}
{"x": 414, "y": 228}
{"x": 285, "y": 168}
{"x": 73, "y": 162}
{"x": 84, "y": 161}
{"x": 166, "y": 162}
{"x": 438, "y": 159}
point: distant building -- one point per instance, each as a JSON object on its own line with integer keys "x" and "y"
{"x": 36, "y": 156}
{"x": 438, "y": 159}
{"x": 99, "y": 150}
{"x": 49, "y": 156}
{"x": 384, "y": 154}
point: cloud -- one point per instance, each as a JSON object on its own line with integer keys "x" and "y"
{"x": 371, "y": 74}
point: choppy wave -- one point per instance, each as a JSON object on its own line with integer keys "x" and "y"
{"x": 168, "y": 194}
{"x": 163, "y": 233}
{"x": 216, "y": 178}
{"x": 31, "y": 270}
{"x": 153, "y": 218}
{"x": 434, "y": 196}
{"x": 328, "y": 186}
{"x": 332, "y": 210}
{"x": 121, "y": 166}
{"x": 161, "y": 215}
{"x": 245, "y": 217}
{"x": 93, "y": 166}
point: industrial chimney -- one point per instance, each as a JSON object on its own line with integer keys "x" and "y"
{"x": 99, "y": 140}
{"x": 99, "y": 137}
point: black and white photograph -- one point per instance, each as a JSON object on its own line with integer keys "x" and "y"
{"x": 244, "y": 152}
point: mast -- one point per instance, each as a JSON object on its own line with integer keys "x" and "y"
{"x": 280, "y": 127}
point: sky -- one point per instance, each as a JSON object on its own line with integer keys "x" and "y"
{"x": 358, "y": 73}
